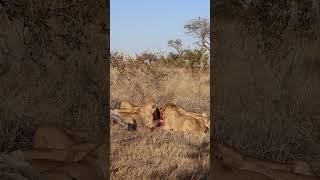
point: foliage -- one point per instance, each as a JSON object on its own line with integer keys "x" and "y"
{"x": 196, "y": 59}
{"x": 200, "y": 29}
{"x": 177, "y": 45}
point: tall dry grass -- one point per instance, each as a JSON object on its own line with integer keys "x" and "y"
{"x": 159, "y": 154}
{"x": 188, "y": 89}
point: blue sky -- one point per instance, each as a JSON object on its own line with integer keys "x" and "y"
{"x": 139, "y": 25}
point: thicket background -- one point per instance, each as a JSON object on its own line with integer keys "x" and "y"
{"x": 181, "y": 76}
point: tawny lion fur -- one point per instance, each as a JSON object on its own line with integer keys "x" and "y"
{"x": 175, "y": 119}
{"x": 127, "y": 107}
{"x": 223, "y": 172}
{"x": 203, "y": 117}
{"x": 58, "y": 154}
{"x": 297, "y": 170}
{"x": 142, "y": 116}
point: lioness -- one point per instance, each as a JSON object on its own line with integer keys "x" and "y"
{"x": 175, "y": 120}
{"x": 144, "y": 116}
{"x": 16, "y": 169}
{"x": 234, "y": 159}
{"x": 223, "y": 172}
{"x": 57, "y": 154}
{"x": 127, "y": 107}
{"x": 202, "y": 116}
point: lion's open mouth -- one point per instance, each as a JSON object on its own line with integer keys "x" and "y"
{"x": 161, "y": 116}
{"x": 158, "y": 116}
{"x": 161, "y": 122}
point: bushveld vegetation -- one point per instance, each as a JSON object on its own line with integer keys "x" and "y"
{"x": 181, "y": 77}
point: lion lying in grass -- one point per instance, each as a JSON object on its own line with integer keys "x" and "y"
{"x": 297, "y": 170}
{"x": 171, "y": 117}
{"x": 177, "y": 119}
{"x": 204, "y": 117}
{"x": 135, "y": 116}
{"x": 223, "y": 172}
{"x": 127, "y": 107}
{"x": 16, "y": 169}
{"x": 56, "y": 153}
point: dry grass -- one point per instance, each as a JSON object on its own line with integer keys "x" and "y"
{"x": 160, "y": 154}
{"x": 190, "y": 90}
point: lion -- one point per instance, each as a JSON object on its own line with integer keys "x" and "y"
{"x": 143, "y": 117}
{"x": 204, "y": 114}
{"x": 175, "y": 119}
{"x": 56, "y": 153}
{"x": 204, "y": 117}
{"x": 221, "y": 171}
{"x": 12, "y": 168}
{"x": 49, "y": 137}
{"x": 127, "y": 107}
{"x": 275, "y": 170}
